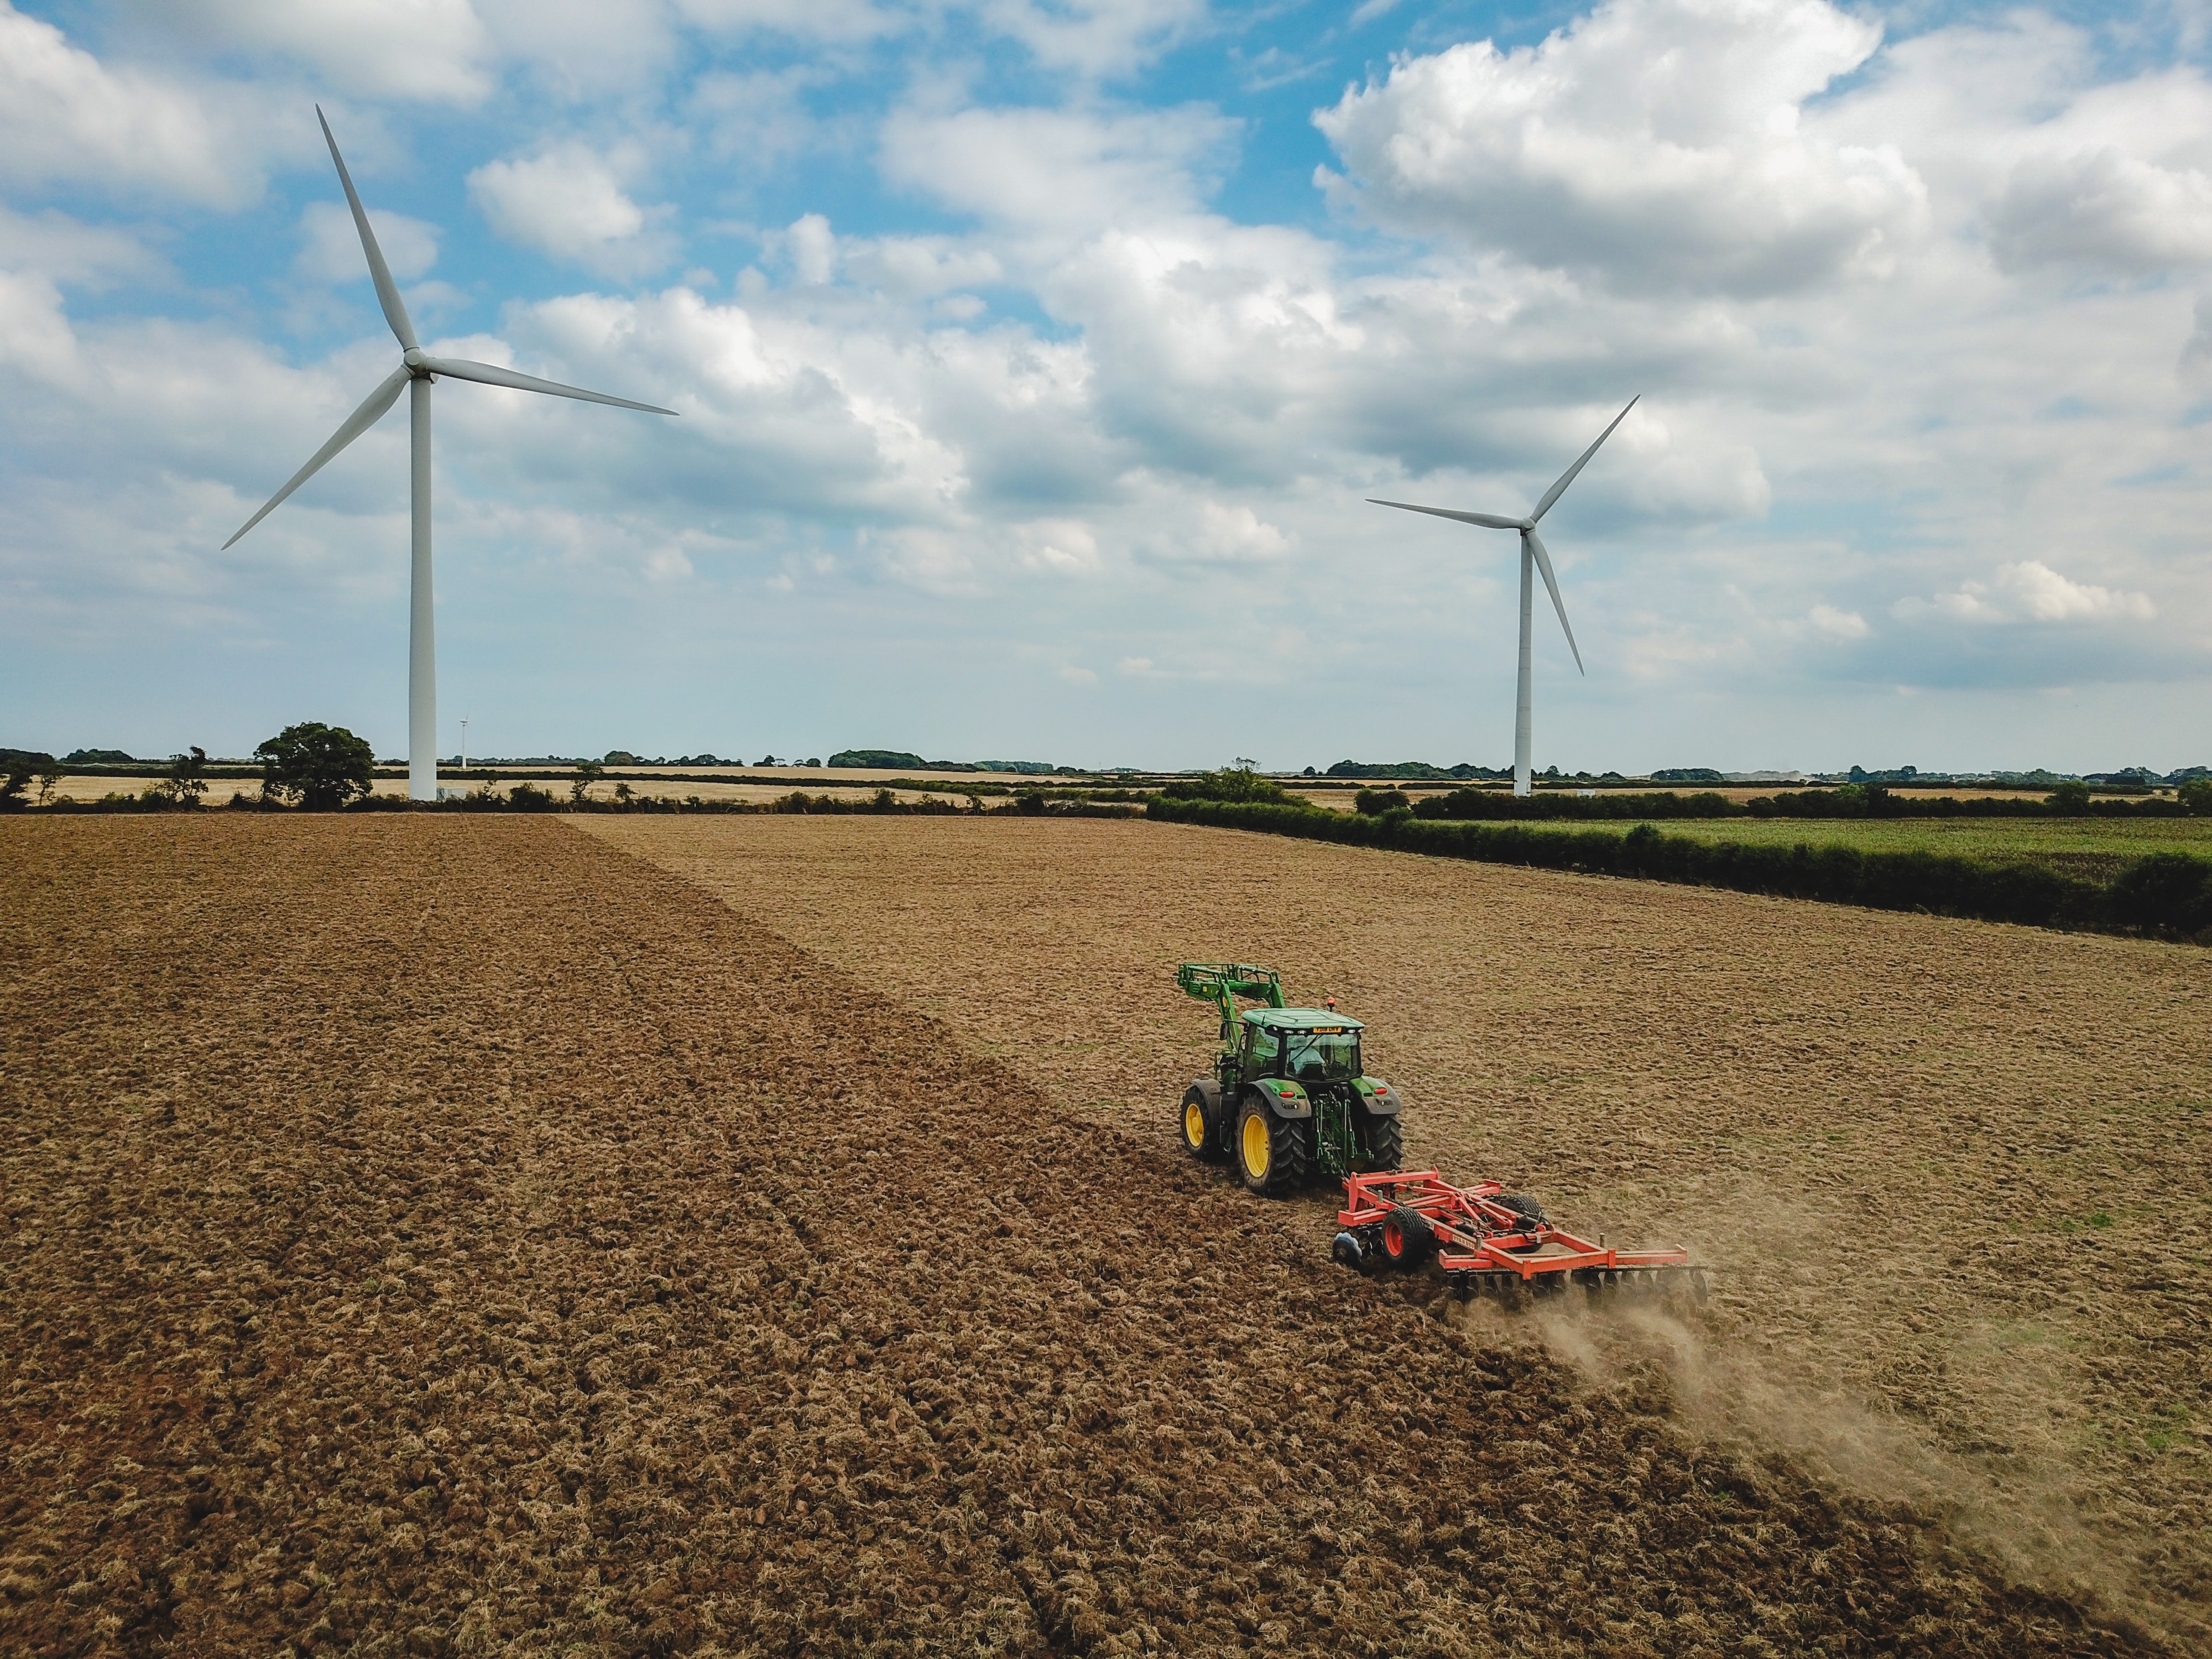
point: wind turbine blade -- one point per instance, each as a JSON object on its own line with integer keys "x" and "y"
{"x": 1551, "y": 582}
{"x": 1487, "y": 520}
{"x": 491, "y": 375}
{"x": 372, "y": 411}
{"x": 387, "y": 292}
{"x": 1568, "y": 476}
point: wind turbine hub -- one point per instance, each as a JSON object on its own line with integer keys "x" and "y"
{"x": 415, "y": 357}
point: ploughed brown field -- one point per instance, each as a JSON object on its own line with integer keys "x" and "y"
{"x": 764, "y": 1235}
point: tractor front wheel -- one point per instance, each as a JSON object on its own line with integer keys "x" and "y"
{"x": 1274, "y": 1154}
{"x": 1198, "y": 1139}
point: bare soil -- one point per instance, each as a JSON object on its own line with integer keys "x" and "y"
{"x": 426, "y": 1236}
{"x": 1957, "y": 1171}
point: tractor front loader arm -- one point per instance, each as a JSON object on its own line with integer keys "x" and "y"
{"x": 1222, "y": 982}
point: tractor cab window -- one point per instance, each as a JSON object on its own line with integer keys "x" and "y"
{"x": 1261, "y": 1050}
{"x": 1322, "y": 1056}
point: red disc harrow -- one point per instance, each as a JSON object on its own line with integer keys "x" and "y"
{"x": 1483, "y": 1236}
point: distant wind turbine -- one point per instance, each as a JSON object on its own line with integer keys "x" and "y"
{"x": 416, "y": 372}
{"x": 1533, "y": 558}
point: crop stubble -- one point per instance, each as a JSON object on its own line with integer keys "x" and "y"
{"x": 428, "y": 1235}
{"x": 1958, "y": 1168}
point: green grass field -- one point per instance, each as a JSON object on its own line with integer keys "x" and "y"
{"x": 2090, "y": 847}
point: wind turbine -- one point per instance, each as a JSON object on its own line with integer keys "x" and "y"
{"x": 1533, "y": 555}
{"x": 417, "y": 371}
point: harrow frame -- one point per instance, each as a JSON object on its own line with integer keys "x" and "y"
{"x": 1477, "y": 1239}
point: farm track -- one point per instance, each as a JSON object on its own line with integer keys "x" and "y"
{"x": 428, "y": 1235}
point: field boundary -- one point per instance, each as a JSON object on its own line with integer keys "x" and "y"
{"x": 2160, "y": 896}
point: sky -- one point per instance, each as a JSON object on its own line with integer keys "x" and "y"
{"x": 1033, "y": 360}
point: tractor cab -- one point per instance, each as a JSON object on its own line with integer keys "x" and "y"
{"x": 1305, "y": 1045}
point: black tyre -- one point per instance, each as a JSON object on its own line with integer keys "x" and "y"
{"x": 1274, "y": 1155}
{"x": 1531, "y": 1213}
{"x": 1201, "y": 1138}
{"x": 1386, "y": 1144}
{"x": 1406, "y": 1238}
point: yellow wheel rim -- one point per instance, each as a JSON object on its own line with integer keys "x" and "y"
{"x": 1193, "y": 1123}
{"x": 1255, "y": 1147}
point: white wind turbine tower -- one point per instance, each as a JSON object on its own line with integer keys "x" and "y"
{"x": 1533, "y": 558}
{"x": 417, "y": 371}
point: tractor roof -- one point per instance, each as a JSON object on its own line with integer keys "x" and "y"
{"x": 1301, "y": 1019}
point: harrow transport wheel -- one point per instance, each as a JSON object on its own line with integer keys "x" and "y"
{"x": 1406, "y": 1238}
{"x": 1273, "y": 1154}
{"x": 1532, "y": 1215}
{"x": 1386, "y": 1144}
{"x": 1198, "y": 1137}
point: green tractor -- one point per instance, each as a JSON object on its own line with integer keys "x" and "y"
{"x": 1288, "y": 1100}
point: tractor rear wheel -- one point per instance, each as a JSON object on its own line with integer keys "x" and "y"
{"x": 1406, "y": 1237}
{"x": 1274, "y": 1154}
{"x": 1386, "y": 1144}
{"x": 1198, "y": 1139}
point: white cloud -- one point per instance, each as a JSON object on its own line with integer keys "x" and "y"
{"x": 422, "y": 49}
{"x": 35, "y": 337}
{"x": 1062, "y": 546}
{"x": 1102, "y": 37}
{"x": 331, "y": 249}
{"x": 813, "y": 248}
{"x": 2104, "y": 209}
{"x": 2031, "y": 592}
{"x": 1216, "y": 535}
{"x": 914, "y": 267}
{"x": 1059, "y": 168}
{"x": 1842, "y": 624}
{"x": 839, "y": 20}
{"x": 66, "y": 250}
{"x": 569, "y": 201}
{"x": 1656, "y": 143}
{"x": 66, "y": 117}
{"x": 585, "y": 49}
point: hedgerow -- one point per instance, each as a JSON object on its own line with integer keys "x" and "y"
{"x": 2164, "y": 894}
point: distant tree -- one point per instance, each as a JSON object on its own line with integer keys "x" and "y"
{"x": 1373, "y": 803}
{"x": 587, "y": 774}
{"x": 17, "y": 767}
{"x": 623, "y": 793}
{"x": 320, "y": 767}
{"x": 1235, "y": 783}
{"x": 50, "y": 776}
{"x": 816, "y": 760}
{"x": 881, "y": 759}
{"x": 2069, "y": 798}
{"x": 2196, "y": 797}
{"x": 620, "y": 757}
{"x": 186, "y": 781}
{"x": 765, "y": 760}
